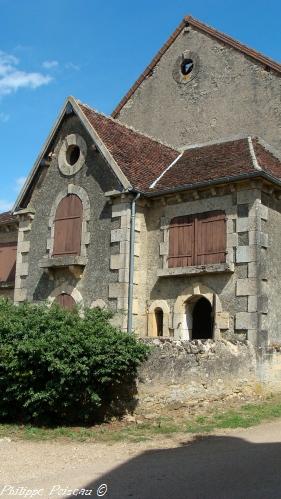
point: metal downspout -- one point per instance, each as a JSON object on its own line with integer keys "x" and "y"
{"x": 132, "y": 263}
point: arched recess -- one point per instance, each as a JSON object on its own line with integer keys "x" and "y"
{"x": 68, "y": 290}
{"x": 85, "y": 234}
{"x": 183, "y": 311}
{"x": 155, "y": 319}
{"x": 66, "y": 301}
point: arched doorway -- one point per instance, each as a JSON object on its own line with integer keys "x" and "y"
{"x": 66, "y": 301}
{"x": 202, "y": 319}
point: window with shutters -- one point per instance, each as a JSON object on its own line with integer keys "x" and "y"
{"x": 8, "y": 256}
{"x": 197, "y": 239}
{"x": 68, "y": 226}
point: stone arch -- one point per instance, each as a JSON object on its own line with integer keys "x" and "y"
{"x": 68, "y": 289}
{"x": 85, "y": 234}
{"x": 152, "y": 322}
{"x": 182, "y": 318}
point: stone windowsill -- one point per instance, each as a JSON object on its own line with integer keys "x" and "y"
{"x": 63, "y": 261}
{"x": 195, "y": 270}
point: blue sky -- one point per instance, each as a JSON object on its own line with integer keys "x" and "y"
{"x": 94, "y": 50}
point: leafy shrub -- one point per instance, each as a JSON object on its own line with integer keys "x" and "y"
{"x": 56, "y": 366}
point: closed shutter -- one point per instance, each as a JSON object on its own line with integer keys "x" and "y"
{"x": 197, "y": 239}
{"x": 68, "y": 226}
{"x": 65, "y": 301}
{"x": 211, "y": 238}
{"x": 8, "y": 256}
{"x": 181, "y": 242}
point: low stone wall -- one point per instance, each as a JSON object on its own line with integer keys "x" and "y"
{"x": 180, "y": 372}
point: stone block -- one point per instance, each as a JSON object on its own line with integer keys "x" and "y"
{"x": 22, "y": 269}
{"x": 125, "y": 247}
{"x": 246, "y": 320}
{"x": 246, "y": 287}
{"x": 263, "y": 304}
{"x": 119, "y": 235}
{"x": 252, "y": 304}
{"x": 24, "y": 246}
{"x": 263, "y": 211}
{"x": 118, "y": 261}
{"x": 120, "y": 209}
{"x": 20, "y": 295}
{"x": 247, "y": 196}
{"x": 163, "y": 248}
{"x": 252, "y": 269}
{"x": 242, "y": 224}
{"x": 118, "y": 290}
{"x": 245, "y": 254}
{"x": 222, "y": 320}
{"x": 232, "y": 240}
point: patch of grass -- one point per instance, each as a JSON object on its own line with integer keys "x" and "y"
{"x": 215, "y": 418}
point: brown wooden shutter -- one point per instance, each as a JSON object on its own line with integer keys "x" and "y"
{"x": 8, "y": 256}
{"x": 181, "y": 242}
{"x": 68, "y": 226}
{"x": 65, "y": 301}
{"x": 210, "y": 238}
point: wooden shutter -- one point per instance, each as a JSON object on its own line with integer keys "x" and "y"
{"x": 68, "y": 226}
{"x": 210, "y": 238}
{"x": 181, "y": 242}
{"x": 65, "y": 301}
{"x": 8, "y": 256}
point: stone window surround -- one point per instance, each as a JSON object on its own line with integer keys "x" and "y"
{"x": 177, "y": 73}
{"x": 71, "y": 140}
{"x": 85, "y": 234}
{"x": 151, "y": 322}
{"x": 164, "y": 246}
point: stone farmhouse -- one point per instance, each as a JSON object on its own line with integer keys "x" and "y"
{"x": 169, "y": 210}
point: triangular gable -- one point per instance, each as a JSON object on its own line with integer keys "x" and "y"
{"x": 71, "y": 101}
{"x": 190, "y": 21}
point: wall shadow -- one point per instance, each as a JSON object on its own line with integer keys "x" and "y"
{"x": 210, "y": 468}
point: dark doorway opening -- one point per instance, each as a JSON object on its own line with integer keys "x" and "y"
{"x": 202, "y": 320}
{"x": 159, "y": 321}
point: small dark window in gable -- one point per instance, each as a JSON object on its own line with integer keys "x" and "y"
{"x": 68, "y": 226}
{"x": 197, "y": 239}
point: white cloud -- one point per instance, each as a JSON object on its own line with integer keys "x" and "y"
{"x": 12, "y": 79}
{"x": 4, "y": 117}
{"x": 19, "y": 183}
{"x": 50, "y": 64}
{"x": 5, "y": 205}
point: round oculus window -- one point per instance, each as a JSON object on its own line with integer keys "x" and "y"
{"x": 72, "y": 154}
{"x": 186, "y": 67}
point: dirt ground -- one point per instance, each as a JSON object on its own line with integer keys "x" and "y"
{"x": 180, "y": 467}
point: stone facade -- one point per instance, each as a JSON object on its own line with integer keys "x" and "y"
{"x": 38, "y": 277}
{"x": 229, "y": 95}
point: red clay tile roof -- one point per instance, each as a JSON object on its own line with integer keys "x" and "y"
{"x": 188, "y": 20}
{"x": 214, "y": 162}
{"x": 141, "y": 158}
{"x": 7, "y": 217}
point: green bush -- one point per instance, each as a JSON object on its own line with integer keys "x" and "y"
{"x": 56, "y": 366}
